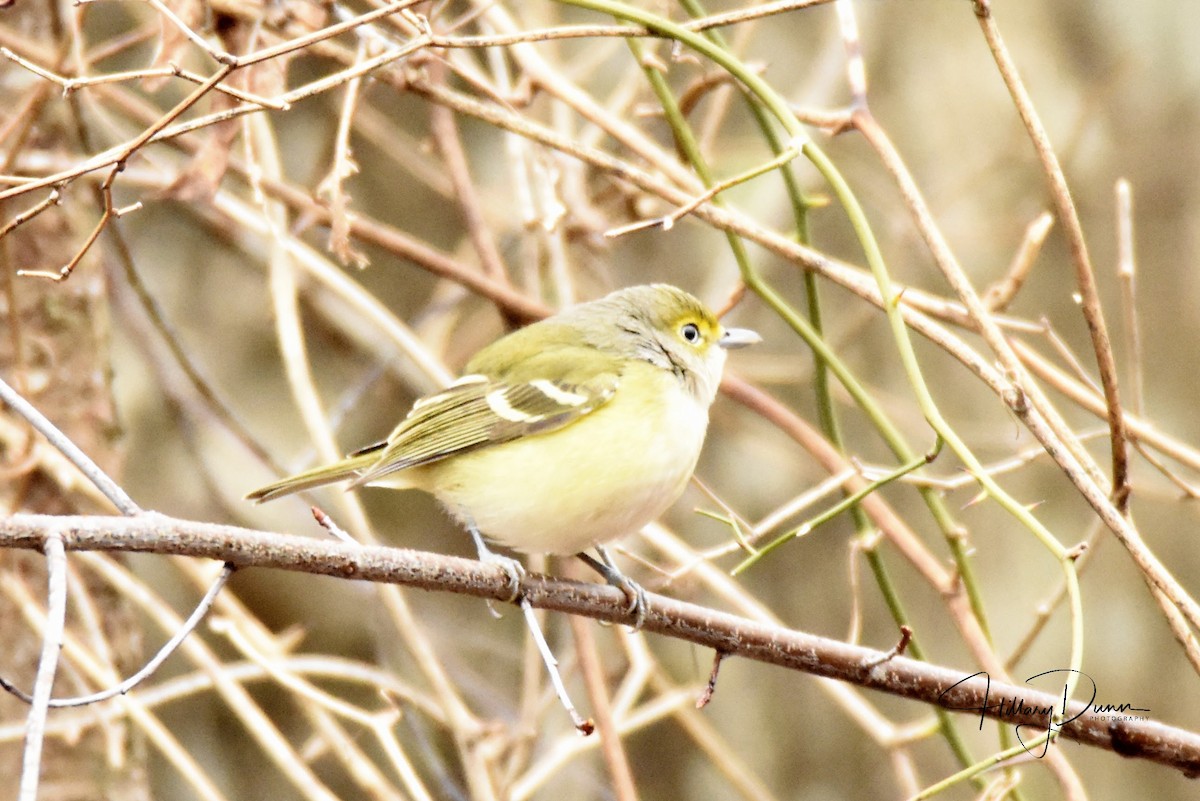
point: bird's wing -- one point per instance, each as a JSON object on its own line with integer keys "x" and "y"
{"x": 477, "y": 411}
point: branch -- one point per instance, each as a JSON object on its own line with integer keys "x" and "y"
{"x": 1128, "y": 735}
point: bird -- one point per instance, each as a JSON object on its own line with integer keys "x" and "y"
{"x": 561, "y": 436}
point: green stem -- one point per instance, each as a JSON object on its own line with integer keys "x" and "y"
{"x": 958, "y": 746}
{"x": 846, "y": 503}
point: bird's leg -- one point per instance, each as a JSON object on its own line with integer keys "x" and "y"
{"x": 511, "y": 566}
{"x": 515, "y": 570}
{"x": 633, "y": 591}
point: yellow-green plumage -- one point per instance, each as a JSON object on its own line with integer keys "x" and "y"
{"x": 567, "y": 433}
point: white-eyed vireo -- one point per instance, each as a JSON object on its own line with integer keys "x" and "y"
{"x": 562, "y": 435}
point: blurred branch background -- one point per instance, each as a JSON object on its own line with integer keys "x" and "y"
{"x": 297, "y": 234}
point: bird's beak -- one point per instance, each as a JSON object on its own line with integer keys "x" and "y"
{"x": 734, "y": 338}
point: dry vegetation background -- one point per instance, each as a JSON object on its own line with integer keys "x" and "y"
{"x": 298, "y": 257}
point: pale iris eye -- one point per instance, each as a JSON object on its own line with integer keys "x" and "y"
{"x": 690, "y": 333}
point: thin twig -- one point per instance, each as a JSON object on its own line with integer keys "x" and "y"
{"x": 997, "y": 296}
{"x": 52, "y": 199}
{"x": 70, "y": 85}
{"x": 263, "y": 156}
{"x": 711, "y": 686}
{"x": 221, "y": 56}
{"x": 52, "y": 638}
{"x": 851, "y": 500}
{"x": 1060, "y": 346}
{"x": 117, "y": 156}
{"x": 623, "y": 786}
{"x": 667, "y": 221}
{"x": 899, "y": 648}
{"x": 110, "y": 213}
{"x": 1093, "y": 311}
{"x": 792, "y": 425}
{"x": 444, "y": 128}
{"x": 856, "y": 71}
{"x": 1126, "y": 275}
{"x": 69, "y": 449}
{"x": 329, "y": 32}
{"x": 1015, "y": 462}
{"x": 197, "y": 682}
{"x": 151, "y": 666}
{"x": 1089, "y": 399}
{"x": 582, "y": 725}
{"x": 1189, "y": 489}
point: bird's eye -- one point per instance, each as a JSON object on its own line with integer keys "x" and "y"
{"x": 690, "y": 333}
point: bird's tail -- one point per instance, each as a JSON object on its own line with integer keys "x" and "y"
{"x": 350, "y": 467}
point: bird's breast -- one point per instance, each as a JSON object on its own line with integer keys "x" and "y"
{"x": 594, "y": 480}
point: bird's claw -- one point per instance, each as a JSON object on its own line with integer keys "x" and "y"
{"x": 637, "y": 601}
{"x": 512, "y": 568}
{"x": 638, "y": 605}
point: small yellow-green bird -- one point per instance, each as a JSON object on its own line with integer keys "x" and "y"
{"x": 562, "y": 435}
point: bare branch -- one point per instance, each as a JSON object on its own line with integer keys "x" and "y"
{"x": 733, "y": 635}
